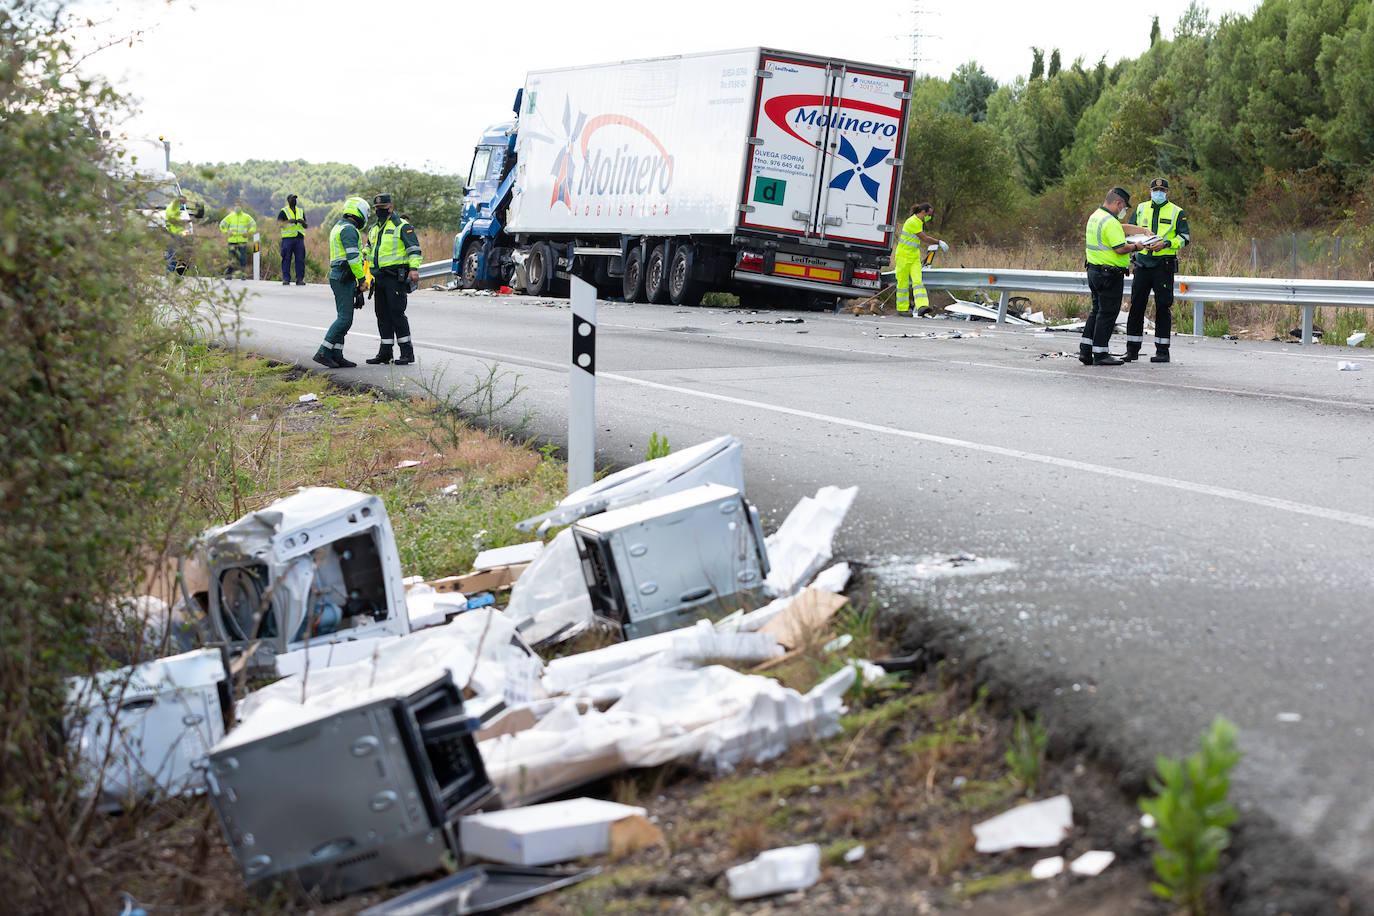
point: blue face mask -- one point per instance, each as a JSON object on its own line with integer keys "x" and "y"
{"x": 1158, "y": 196}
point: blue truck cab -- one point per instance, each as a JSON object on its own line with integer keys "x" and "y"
{"x": 485, "y": 197}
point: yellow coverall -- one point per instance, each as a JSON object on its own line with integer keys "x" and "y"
{"x": 910, "y": 292}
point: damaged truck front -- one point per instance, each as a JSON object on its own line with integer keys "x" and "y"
{"x": 765, "y": 172}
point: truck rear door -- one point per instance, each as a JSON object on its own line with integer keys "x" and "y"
{"x": 825, "y": 150}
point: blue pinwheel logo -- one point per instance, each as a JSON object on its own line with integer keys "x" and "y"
{"x": 849, "y": 154}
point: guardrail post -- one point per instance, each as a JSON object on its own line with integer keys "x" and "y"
{"x": 1198, "y": 324}
{"x": 582, "y": 387}
{"x": 1309, "y": 312}
{"x": 1002, "y": 306}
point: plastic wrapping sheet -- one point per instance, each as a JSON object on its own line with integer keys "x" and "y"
{"x": 550, "y": 598}
{"x": 802, "y": 545}
{"x": 502, "y": 665}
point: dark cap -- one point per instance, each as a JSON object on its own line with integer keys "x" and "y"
{"x": 1120, "y": 192}
{"x": 381, "y": 200}
{"x": 1159, "y": 184}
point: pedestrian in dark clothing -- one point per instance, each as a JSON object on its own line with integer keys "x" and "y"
{"x": 395, "y": 264}
{"x": 293, "y": 226}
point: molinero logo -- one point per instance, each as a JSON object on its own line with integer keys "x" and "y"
{"x": 589, "y": 166}
{"x": 850, "y": 115}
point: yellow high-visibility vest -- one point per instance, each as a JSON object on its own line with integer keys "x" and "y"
{"x": 1103, "y": 234}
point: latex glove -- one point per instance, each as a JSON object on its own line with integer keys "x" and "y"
{"x": 944, "y": 246}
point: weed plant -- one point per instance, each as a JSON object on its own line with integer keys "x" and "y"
{"x": 658, "y": 447}
{"x": 1026, "y": 750}
{"x": 1192, "y": 816}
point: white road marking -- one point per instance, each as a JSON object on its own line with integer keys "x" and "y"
{"x": 1202, "y": 489}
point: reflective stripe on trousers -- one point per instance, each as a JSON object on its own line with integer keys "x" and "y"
{"x": 910, "y": 291}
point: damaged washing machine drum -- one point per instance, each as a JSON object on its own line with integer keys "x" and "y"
{"x": 317, "y": 566}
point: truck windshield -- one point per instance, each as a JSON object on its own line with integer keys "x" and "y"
{"x": 154, "y": 195}
{"x": 480, "y": 161}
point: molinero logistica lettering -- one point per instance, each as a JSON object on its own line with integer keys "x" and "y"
{"x": 625, "y": 173}
{"x": 841, "y": 121}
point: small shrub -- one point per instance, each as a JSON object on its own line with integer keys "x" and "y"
{"x": 1192, "y": 815}
{"x": 658, "y": 447}
{"x": 1216, "y": 327}
{"x": 720, "y": 300}
{"x": 1026, "y": 750}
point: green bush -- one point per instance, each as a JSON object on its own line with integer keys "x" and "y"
{"x": 98, "y": 431}
{"x": 1192, "y": 816}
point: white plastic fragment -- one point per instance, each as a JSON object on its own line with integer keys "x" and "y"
{"x": 1347, "y": 366}
{"x": 832, "y": 579}
{"x": 543, "y": 834}
{"x": 1147, "y": 821}
{"x": 1092, "y": 863}
{"x": 802, "y": 545}
{"x": 1354, "y": 339}
{"x": 1031, "y": 826}
{"x": 1289, "y": 717}
{"x": 408, "y": 463}
{"x": 776, "y": 871}
{"x": 1047, "y": 868}
{"x": 511, "y": 555}
{"x": 307, "y": 398}
{"x": 838, "y": 643}
{"x": 855, "y": 855}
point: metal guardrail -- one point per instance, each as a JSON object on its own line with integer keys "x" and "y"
{"x": 1199, "y": 290}
{"x": 436, "y": 269}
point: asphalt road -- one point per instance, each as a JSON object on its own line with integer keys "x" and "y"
{"x": 1157, "y": 545}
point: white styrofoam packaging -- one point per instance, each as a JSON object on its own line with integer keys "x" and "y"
{"x": 543, "y": 834}
{"x": 775, "y": 871}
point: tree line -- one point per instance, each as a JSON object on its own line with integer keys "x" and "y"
{"x": 1260, "y": 120}
{"x": 430, "y": 200}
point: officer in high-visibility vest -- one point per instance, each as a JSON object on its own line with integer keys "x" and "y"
{"x": 293, "y": 226}
{"x": 1154, "y": 271}
{"x": 347, "y": 281}
{"x": 1108, "y": 260}
{"x": 174, "y": 221}
{"x": 911, "y": 295}
{"x": 238, "y": 227}
{"x": 395, "y": 263}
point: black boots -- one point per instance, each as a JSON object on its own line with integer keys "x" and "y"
{"x": 407, "y": 355}
{"x": 1132, "y": 353}
{"x": 332, "y": 359}
{"x": 1085, "y": 355}
{"x": 383, "y": 356}
{"x": 1161, "y": 355}
{"x": 1106, "y": 359}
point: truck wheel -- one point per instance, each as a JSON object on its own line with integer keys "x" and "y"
{"x": 472, "y": 255}
{"x": 632, "y": 284}
{"x": 682, "y": 288}
{"x": 656, "y": 274}
{"x": 538, "y": 270}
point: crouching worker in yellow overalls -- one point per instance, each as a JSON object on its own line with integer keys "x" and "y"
{"x": 911, "y": 295}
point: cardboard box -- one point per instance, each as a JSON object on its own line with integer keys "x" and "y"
{"x": 543, "y": 834}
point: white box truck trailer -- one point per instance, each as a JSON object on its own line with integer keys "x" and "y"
{"x": 769, "y": 173}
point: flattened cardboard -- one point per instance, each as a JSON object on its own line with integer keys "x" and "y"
{"x": 806, "y": 616}
{"x": 488, "y": 580}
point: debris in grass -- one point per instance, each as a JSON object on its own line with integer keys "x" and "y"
{"x": 1092, "y": 863}
{"x": 1031, "y": 826}
{"x": 1047, "y": 868}
{"x": 775, "y": 871}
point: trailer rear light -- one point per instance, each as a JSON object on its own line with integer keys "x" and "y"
{"x": 865, "y": 275}
{"x": 751, "y": 262}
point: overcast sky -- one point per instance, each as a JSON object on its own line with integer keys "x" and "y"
{"x": 228, "y": 80}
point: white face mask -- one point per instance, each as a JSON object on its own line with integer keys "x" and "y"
{"x": 1121, "y": 214}
{"x": 1158, "y": 196}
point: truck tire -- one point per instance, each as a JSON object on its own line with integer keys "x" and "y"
{"x": 472, "y": 255}
{"x": 656, "y": 274}
{"x": 683, "y": 289}
{"x": 632, "y": 284}
{"x": 538, "y": 270}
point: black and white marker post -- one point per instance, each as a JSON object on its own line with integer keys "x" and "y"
{"x": 582, "y": 387}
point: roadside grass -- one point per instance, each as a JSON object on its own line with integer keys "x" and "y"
{"x": 273, "y": 443}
